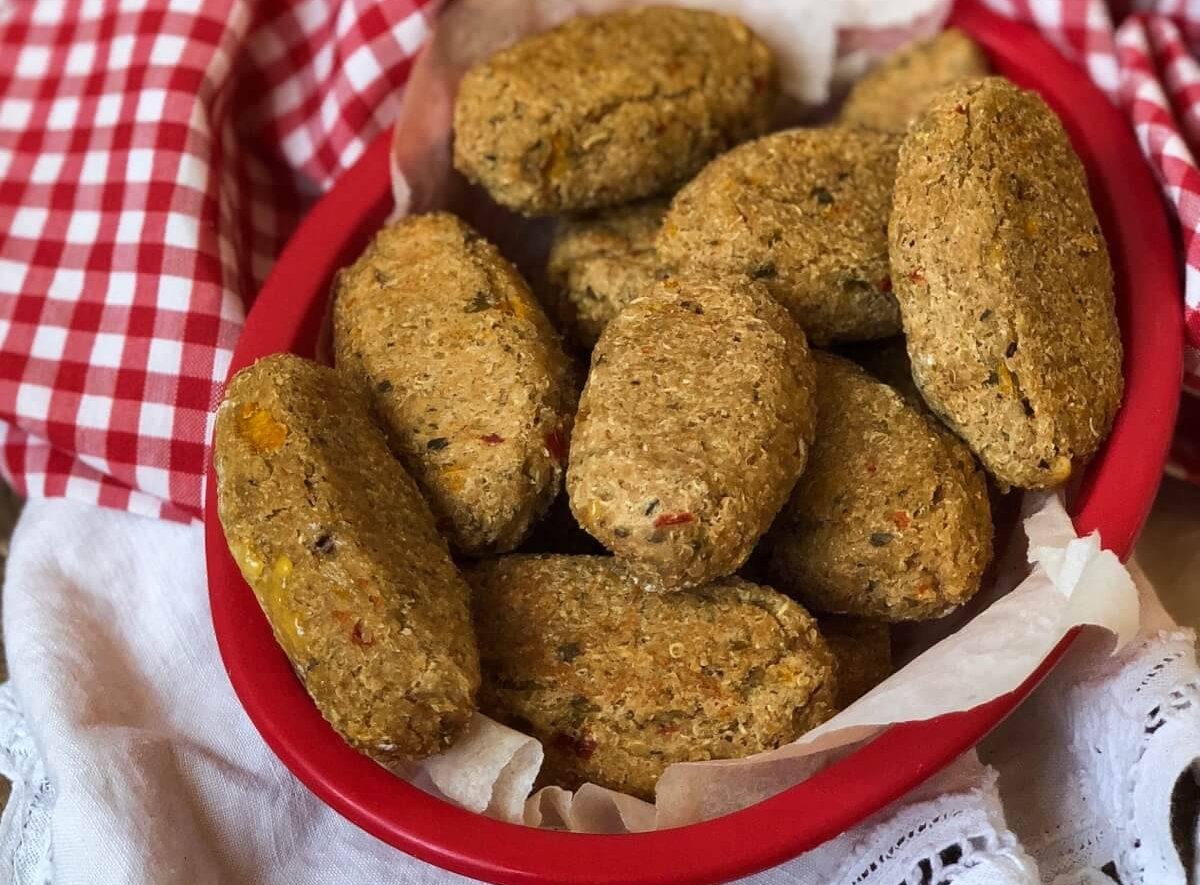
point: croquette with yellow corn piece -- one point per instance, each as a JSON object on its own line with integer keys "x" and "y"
{"x": 341, "y": 551}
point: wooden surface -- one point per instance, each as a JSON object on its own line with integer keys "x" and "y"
{"x": 1169, "y": 550}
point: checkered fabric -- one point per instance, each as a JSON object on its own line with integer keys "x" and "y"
{"x": 153, "y": 159}
{"x": 155, "y": 156}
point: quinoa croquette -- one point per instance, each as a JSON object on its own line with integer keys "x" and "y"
{"x": 600, "y": 263}
{"x": 466, "y": 372}
{"x": 862, "y": 655}
{"x": 892, "y": 95}
{"x": 891, "y": 518}
{"x": 805, "y": 213}
{"x": 719, "y": 672}
{"x": 1008, "y": 312}
{"x": 694, "y": 425}
{"x": 341, "y": 551}
{"x": 610, "y": 108}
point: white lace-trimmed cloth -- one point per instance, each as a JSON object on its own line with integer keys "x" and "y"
{"x": 1089, "y": 766}
{"x": 131, "y": 756}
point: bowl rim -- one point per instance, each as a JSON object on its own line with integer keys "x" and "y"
{"x": 1114, "y": 498}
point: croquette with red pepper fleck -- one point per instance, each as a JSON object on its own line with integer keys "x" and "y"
{"x": 891, "y": 519}
{"x": 720, "y": 672}
{"x": 1009, "y": 311}
{"x": 693, "y": 427}
{"x": 466, "y": 372}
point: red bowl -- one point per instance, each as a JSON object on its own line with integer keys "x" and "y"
{"x": 1115, "y": 497}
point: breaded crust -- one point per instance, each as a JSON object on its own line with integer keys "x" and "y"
{"x": 610, "y": 108}
{"x": 618, "y": 684}
{"x": 862, "y": 654}
{"x": 893, "y": 94}
{"x": 599, "y": 263}
{"x": 805, "y": 212}
{"x": 466, "y": 372}
{"x": 694, "y": 425}
{"x": 341, "y": 551}
{"x": 890, "y": 519}
{"x": 1008, "y": 311}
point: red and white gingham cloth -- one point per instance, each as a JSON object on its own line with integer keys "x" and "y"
{"x": 155, "y": 157}
{"x": 153, "y": 160}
